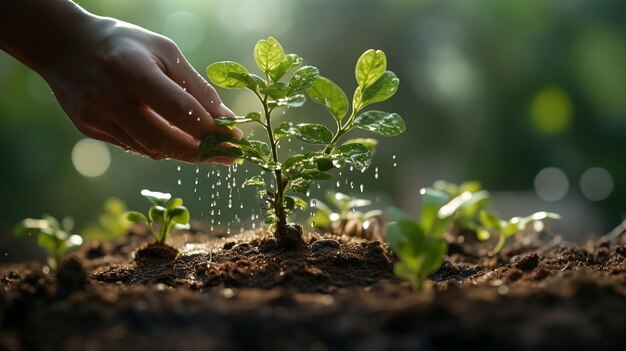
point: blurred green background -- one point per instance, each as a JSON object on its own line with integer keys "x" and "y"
{"x": 528, "y": 97}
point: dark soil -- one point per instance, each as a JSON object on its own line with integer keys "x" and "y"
{"x": 334, "y": 293}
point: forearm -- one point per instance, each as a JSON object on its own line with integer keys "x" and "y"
{"x": 41, "y": 32}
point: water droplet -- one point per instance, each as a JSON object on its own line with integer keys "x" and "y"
{"x": 338, "y": 184}
{"x": 212, "y": 101}
{"x": 178, "y": 168}
{"x": 198, "y": 119}
{"x": 179, "y": 182}
{"x": 395, "y": 164}
{"x": 393, "y": 157}
{"x": 313, "y": 202}
{"x": 178, "y": 60}
{"x": 362, "y": 187}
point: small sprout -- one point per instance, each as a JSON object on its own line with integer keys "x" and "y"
{"x": 340, "y": 216}
{"x": 494, "y": 226}
{"x": 295, "y": 173}
{"x": 54, "y": 237}
{"x": 472, "y": 197}
{"x": 165, "y": 213}
{"x": 112, "y": 222}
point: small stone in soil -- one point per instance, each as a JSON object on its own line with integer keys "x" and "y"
{"x": 325, "y": 245}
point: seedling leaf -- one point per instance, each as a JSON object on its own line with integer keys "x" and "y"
{"x": 383, "y": 123}
{"x": 369, "y": 67}
{"x": 268, "y": 54}
{"x": 302, "y": 80}
{"x": 229, "y": 75}
{"x": 330, "y": 95}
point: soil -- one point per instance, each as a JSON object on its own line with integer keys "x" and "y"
{"x": 335, "y": 293}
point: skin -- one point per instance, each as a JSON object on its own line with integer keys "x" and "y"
{"x": 117, "y": 82}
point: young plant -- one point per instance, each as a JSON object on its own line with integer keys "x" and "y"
{"x": 294, "y": 173}
{"x": 475, "y": 200}
{"x": 164, "y": 214}
{"x": 341, "y": 216}
{"x": 494, "y": 226}
{"x": 419, "y": 246}
{"x": 112, "y": 222}
{"x": 53, "y": 236}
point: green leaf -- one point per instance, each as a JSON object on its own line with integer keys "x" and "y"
{"x": 50, "y": 243}
{"x": 289, "y": 203}
{"x": 292, "y": 101}
{"x": 432, "y": 200}
{"x": 397, "y": 214}
{"x": 324, "y": 164}
{"x": 288, "y": 63}
{"x": 30, "y": 226}
{"x": 490, "y": 221}
{"x": 381, "y": 90}
{"x": 179, "y": 215}
{"x": 300, "y": 185}
{"x": 330, "y": 95}
{"x": 156, "y": 213}
{"x": 156, "y": 197}
{"x": 314, "y": 174}
{"x": 175, "y": 202}
{"x": 213, "y": 140}
{"x": 356, "y": 154}
{"x": 276, "y": 90}
{"x": 136, "y": 217}
{"x": 229, "y": 74}
{"x": 383, "y": 123}
{"x": 369, "y": 143}
{"x": 302, "y": 80}
{"x": 308, "y": 132}
{"x": 369, "y": 67}
{"x": 299, "y": 202}
{"x": 255, "y": 181}
{"x": 268, "y": 54}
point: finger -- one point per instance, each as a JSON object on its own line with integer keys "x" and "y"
{"x": 185, "y": 75}
{"x": 171, "y": 102}
{"x": 189, "y": 79}
{"x": 128, "y": 143}
{"x": 157, "y": 136}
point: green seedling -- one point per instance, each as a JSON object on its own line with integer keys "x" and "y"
{"x": 475, "y": 200}
{"x": 165, "y": 213}
{"x": 419, "y": 246}
{"x": 491, "y": 225}
{"x": 112, "y": 222}
{"x": 340, "y": 215}
{"x": 294, "y": 173}
{"x": 53, "y": 236}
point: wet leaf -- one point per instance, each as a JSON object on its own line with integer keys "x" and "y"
{"x": 156, "y": 197}
{"x": 308, "y": 132}
{"x": 255, "y": 181}
{"x": 268, "y": 54}
{"x": 179, "y": 215}
{"x": 381, "y": 90}
{"x": 302, "y": 80}
{"x": 288, "y": 63}
{"x": 292, "y": 101}
{"x": 369, "y": 143}
{"x": 136, "y": 217}
{"x": 229, "y": 74}
{"x": 369, "y": 67}
{"x": 356, "y": 154}
{"x": 330, "y": 95}
{"x": 383, "y": 123}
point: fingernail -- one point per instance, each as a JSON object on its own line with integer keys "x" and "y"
{"x": 225, "y": 110}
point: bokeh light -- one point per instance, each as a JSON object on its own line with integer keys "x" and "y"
{"x": 596, "y": 184}
{"x": 551, "y": 110}
{"x": 91, "y": 158}
{"x": 551, "y": 184}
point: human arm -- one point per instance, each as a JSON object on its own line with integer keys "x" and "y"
{"x": 116, "y": 81}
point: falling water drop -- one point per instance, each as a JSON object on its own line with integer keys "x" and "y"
{"x": 178, "y": 60}
{"x": 362, "y": 187}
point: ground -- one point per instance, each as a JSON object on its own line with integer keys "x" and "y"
{"x": 335, "y": 293}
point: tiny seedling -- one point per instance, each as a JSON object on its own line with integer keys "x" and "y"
{"x": 165, "y": 213}
{"x": 340, "y": 215}
{"x": 475, "y": 199}
{"x": 112, "y": 222}
{"x": 294, "y": 173}
{"x": 419, "y": 246}
{"x": 53, "y": 236}
{"x": 491, "y": 225}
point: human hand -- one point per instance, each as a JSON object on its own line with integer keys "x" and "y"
{"x": 130, "y": 87}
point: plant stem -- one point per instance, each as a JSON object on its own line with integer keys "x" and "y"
{"x": 279, "y": 208}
